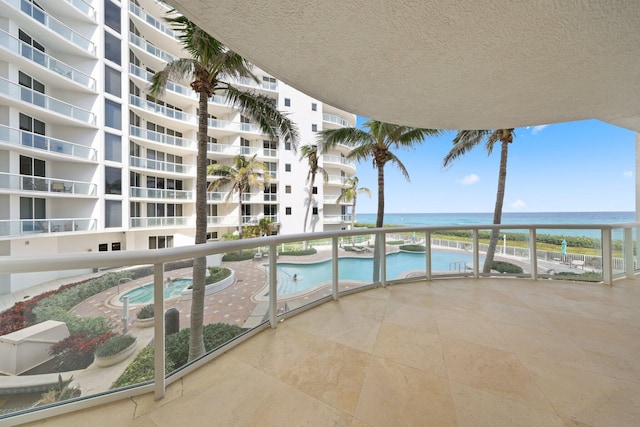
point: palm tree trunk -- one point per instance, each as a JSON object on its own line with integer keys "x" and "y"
{"x": 353, "y": 211}
{"x": 306, "y": 214}
{"x": 497, "y": 212}
{"x": 378, "y": 249}
{"x": 239, "y": 214}
{"x": 196, "y": 340}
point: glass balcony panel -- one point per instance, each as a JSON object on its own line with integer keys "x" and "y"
{"x": 145, "y": 222}
{"x": 572, "y": 254}
{"x": 27, "y": 139}
{"x": 140, "y": 13}
{"x": 452, "y": 252}
{"x": 9, "y": 228}
{"x": 336, "y": 119}
{"x": 151, "y": 49}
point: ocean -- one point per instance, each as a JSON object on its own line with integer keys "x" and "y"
{"x": 439, "y": 219}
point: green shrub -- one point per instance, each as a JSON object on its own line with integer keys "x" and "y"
{"x": 395, "y": 242}
{"x": 239, "y": 256}
{"x": 412, "y": 248}
{"x": 140, "y": 369}
{"x": 215, "y": 334}
{"x": 145, "y": 312}
{"x": 300, "y": 252}
{"x": 506, "y": 267}
{"x": 114, "y": 345}
{"x": 217, "y": 274}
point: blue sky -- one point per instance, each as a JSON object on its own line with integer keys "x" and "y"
{"x": 580, "y": 166}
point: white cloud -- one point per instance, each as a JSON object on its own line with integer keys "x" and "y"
{"x": 469, "y": 179}
{"x": 537, "y": 129}
{"x": 628, "y": 174}
{"x": 518, "y": 204}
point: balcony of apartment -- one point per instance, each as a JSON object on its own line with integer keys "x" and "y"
{"x": 336, "y": 180}
{"x": 342, "y": 162}
{"x": 164, "y": 221}
{"x": 422, "y": 342}
{"x": 27, "y": 227}
{"x": 16, "y": 183}
{"x": 168, "y": 168}
{"x": 154, "y": 29}
{"x": 14, "y": 94}
{"x": 33, "y": 142}
{"x": 48, "y": 26}
{"x": 261, "y": 86}
{"x": 333, "y": 200}
{"x": 161, "y": 194}
{"x": 15, "y": 46}
{"x": 158, "y": 54}
{"x": 178, "y": 119}
{"x": 247, "y": 198}
{"x": 332, "y": 121}
{"x": 336, "y": 219}
{"x": 79, "y": 9}
{"x": 234, "y": 150}
{"x": 178, "y": 145}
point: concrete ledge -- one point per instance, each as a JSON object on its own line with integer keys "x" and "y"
{"x": 31, "y": 383}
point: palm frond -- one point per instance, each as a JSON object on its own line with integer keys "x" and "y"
{"x": 464, "y": 141}
{"x": 179, "y": 71}
{"x": 396, "y": 161}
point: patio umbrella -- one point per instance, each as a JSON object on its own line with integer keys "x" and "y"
{"x": 563, "y": 249}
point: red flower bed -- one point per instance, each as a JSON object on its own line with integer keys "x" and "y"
{"x": 76, "y": 351}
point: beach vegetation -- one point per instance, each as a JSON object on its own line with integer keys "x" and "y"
{"x": 145, "y": 312}
{"x": 311, "y": 153}
{"x": 350, "y": 193}
{"x": 413, "y": 248}
{"x": 114, "y": 345}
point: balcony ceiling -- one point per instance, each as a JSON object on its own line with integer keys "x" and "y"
{"x": 444, "y": 64}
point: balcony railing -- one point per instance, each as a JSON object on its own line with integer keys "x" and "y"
{"x": 19, "y": 47}
{"x": 38, "y": 99}
{"x": 162, "y": 138}
{"x": 158, "y": 193}
{"x": 159, "y": 25}
{"x": 151, "y": 49}
{"x": 23, "y": 138}
{"x": 159, "y": 221}
{"x": 336, "y": 219}
{"x": 220, "y": 196}
{"x": 12, "y": 181}
{"x": 336, "y": 179}
{"x": 327, "y": 158}
{"x": 53, "y": 24}
{"x": 337, "y": 120}
{"x": 25, "y": 227}
{"x": 161, "y": 109}
{"x": 327, "y": 275}
{"x": 158, "y": 165}
{"x": 83, "y": 7}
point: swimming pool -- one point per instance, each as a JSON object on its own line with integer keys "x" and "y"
{"x": 144, "y": 294}
{"x": 361, "y": 269}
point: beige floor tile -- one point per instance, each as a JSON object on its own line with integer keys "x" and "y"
{"x": 474, "y": 327}
{"x": 412, "y": 296}
{"x": 397, "y": 395}
{"x": 328, "y": 371}
{"x": 615, "y": 360}
{"x": 421, "y": 350}
{"x": 516, "y": 315}
{"x": 118, "y": 413}
{"x": 492, "y": 370}
{"x": 478, "y": 408}
{"x": 411, "y": 316}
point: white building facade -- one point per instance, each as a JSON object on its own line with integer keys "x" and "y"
{"x": 90, "y": 162}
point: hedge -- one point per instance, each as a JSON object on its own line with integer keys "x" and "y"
{"x": 506, "y": 267}
{"x": 413, "y": 248}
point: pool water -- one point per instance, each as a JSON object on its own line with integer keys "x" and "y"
{"x": 144, "y": 294}
{"x": 361, "y": 269}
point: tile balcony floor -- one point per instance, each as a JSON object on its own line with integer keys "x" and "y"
{"x": 491, "y": 352}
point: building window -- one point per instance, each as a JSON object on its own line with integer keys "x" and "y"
{"x": 32, "y": 54}
{"x": 160, "y": 242}
{"x": 287, "y": 189}
{"x": 112, "y": 213}
{"x": 314, "y": 128}
{"x": 287, "y": 102}
{"x": 112, "y": 147}
{"x": 212, "y": 235}
{"x": 287, "y": 211}
{"x": 112, "y": 15}
{"x": 287, "y": 167}
{"x": 314, "y": 106}
{"x": 314, "y": 190}
{"x": 112, "y": 81}
{"x": 112, "y": 180}
{"x": 115, "y": 246}
{"x": 112, "y": 114}
{"x": 287, "y": 146}
{"x": 315, "y": 210}
{"x": 112, "y": 48}
{"x": 38, "y": 128}
{"x": 103, "y": 247}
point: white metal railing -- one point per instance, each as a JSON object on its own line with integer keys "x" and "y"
{"x": 336, "y": 179}
{"x": 19, "y": 47}
{"x": 159, "y": 221}
{"x": 150, "y": 49}
{"x": 159, "y": 165}
{"x": 53, "y": 24}
{"x": 335, "y": 219}
{"x": 337, "y": 120}
{"x": 327, "y": 158}
{"x": 23, "y": 138}
{"x": 162, "y": 138}
{"x": 17, "y": 182}
{"x": 159, "y": 193}
{"x": 84, "y": 7}
{"x": 24, "y": 227}
{"x": 157, "y": 24}
{"x": 15, "y": 91}
{"x": 161, "y": 109}
{"x": 365, "y": 242}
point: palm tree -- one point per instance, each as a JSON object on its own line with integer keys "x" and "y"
{"x": 209, "y": 62}
{"x": 350, "y": 194}
{"x": 375, "y": 142}
{"x": 464, "y": 141}
{"x": 311, "y": 152}
{"x": 242, "y": 174}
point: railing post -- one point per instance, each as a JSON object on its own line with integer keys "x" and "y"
{"x": 476, "y": 253}
{"x": 383, "y": 259}
{"x": 607, "y": 255}
{"x": 533, "y": 256}
{"x": 158, "y": 332}
{"x": 273, "y": 285}
{"x": 334, "y": 265}
{"x": 427, "y": 253}
{"x": 629, "y": 267}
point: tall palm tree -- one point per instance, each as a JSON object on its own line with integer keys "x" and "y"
{"x": 311, "y": 152}
{"x": 242, "y": 174}
{"x": 350, "y": 194}
{"x": 375, "y": 141}
{"x": 210, "y": 62}
{"x": 464, "y": 141}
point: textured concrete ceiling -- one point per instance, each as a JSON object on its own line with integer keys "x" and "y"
{"x": 443, "y": 63}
